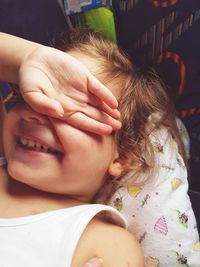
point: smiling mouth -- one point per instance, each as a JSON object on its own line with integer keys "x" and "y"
{"x": 36, "y": 146}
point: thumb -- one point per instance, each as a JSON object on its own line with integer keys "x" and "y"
{"x": 94, "y": 262}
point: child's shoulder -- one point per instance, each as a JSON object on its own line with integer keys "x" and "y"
{"x": 115, "y": 245}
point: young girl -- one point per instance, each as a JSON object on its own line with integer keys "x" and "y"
{"x": 55, "y": 170}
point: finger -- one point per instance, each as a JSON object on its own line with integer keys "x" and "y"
{"x": 43, "y": 104}
{"x": 94, "y": 262}
{"x": 94, "y": 101}
{"x": 101, "y": 91}
{"x": 83, "y": 122}
{"x": 112, "y": 112}
{"x": 94, "y": 113}
{"x": 101, "y": 116}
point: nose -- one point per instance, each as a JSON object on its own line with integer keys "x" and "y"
{"x": 30, "y": 115}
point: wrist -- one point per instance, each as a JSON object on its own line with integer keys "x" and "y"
{"x": 12, "y": 53}
{"x": 29, "y": 49}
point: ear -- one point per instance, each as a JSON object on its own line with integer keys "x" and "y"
{"x": 115, "y": 167}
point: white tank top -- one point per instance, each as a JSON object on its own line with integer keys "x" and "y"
{"x": 48, "y": 239}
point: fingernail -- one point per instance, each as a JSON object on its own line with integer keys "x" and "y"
{"x": 60, "y": 112}
{"x": 117, "y": 114}
{"x": 118, "y": 125}
{"x": 95, "y": 262}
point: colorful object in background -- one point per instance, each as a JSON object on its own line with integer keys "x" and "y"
{"x": 127, "y": 4}
{"x": 102, "y": 20}
{"x": 7, "y": 93}
{"x": 175, "y": 183}
{"x": 163, "y": 3}
{"x": 118, "y": 203}
{"x": 130, "y": 4}
{"x": 94, "y": 14}
{"x": 152, "y": 262}
{"x": 161, "y": 226}
{"x": 99, "y": 19}
{"x": 134, "y": 190}
{"x": 181, "y": 69}
{"x": 182, "y": 218}
{"x": 166, "y": 31}
{"x": 75, "y": 6}
{"x": 197, "y": 246}
{"x": 182, "y": 260}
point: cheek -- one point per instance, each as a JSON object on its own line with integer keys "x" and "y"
{"x": 46, "y": 177}
{"x": 90, "y": 158}
{"x": 73, "y": 141}
{"x": 86, "y": 154}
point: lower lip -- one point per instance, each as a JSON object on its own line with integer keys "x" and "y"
{"x": 27, "y": 153}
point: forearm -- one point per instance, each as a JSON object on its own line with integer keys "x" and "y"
{"x": 12, "y": 52}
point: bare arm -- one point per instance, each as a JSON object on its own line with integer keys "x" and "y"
{"x": 114, "y": 245}
{"x": 12, "y": 52}
{"x": 56, "y": 84}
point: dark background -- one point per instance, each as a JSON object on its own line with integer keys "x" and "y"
{"x": 35, "y": 20}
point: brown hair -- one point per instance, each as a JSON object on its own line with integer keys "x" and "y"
{"x": 143, "y": 101}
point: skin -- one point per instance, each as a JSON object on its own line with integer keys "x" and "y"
{"x": 121, "y": 247}
{"x": 20, "y": 59}
{"x": 115, "y": 246}
{"x": 60, "y": 173}
{"x": 56, "y": 187}
{"x": 93, "y": 262}
{"x": 58, "y": 85}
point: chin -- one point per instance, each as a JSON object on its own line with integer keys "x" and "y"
{"x": 16, "y": 172}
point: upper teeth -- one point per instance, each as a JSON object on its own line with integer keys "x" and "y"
{"x": 37, "y": 146}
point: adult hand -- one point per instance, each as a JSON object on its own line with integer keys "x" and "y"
{"x": 94, "y": 262}
{"x": 56, "y": 84}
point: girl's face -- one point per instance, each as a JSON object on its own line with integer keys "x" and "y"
{"x": 50, "y": 155}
